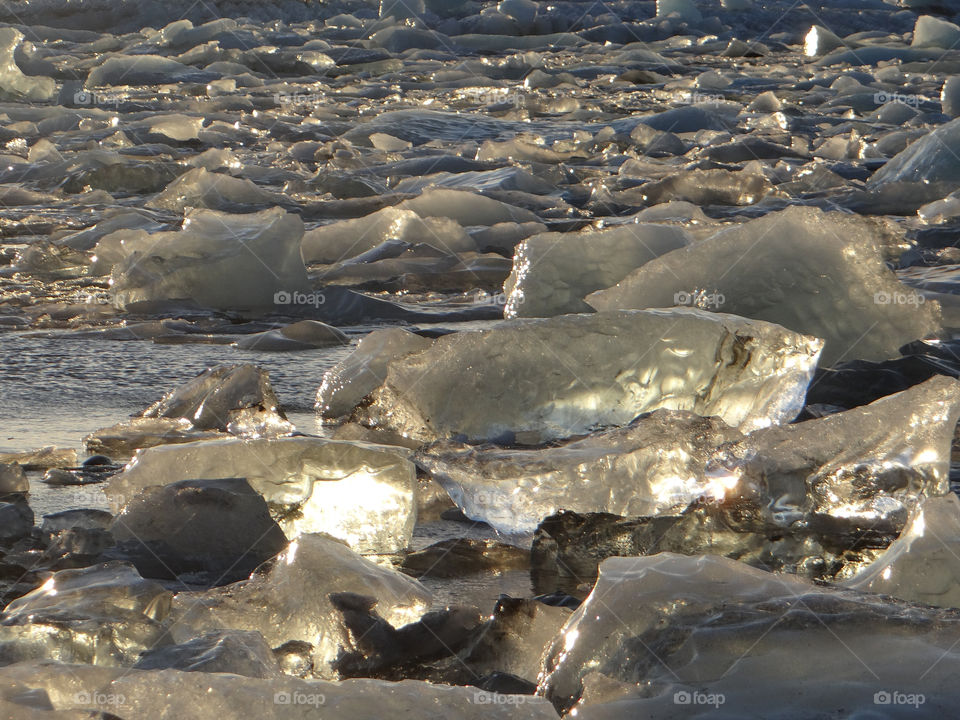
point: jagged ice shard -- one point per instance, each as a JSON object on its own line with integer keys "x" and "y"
{"x": 807, "y": 270}
{"x": 537, "y": 380}
{"x": 361, "y": 493}
{"x": 656, "y": 630}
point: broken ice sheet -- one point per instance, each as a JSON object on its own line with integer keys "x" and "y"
{"x": 656, "y": 627}
{"x": 531, "y": 381}
{"x": 362, "y": 493}
{"x": 851, "y": 474}
{"x": 810, "y": 271}
{"x": 654, "y": 465}
{"x": 14, "y": 85}
{"x": 217, "y": 260}
{"x": 553, "y": 272}
{"x": 288, "y": 600}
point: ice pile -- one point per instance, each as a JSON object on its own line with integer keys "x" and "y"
{"x": 361, "y": 493}
{"x": 536, "y": 380}
{"x": 797, "y": 268}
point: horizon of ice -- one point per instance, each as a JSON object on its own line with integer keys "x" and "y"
{"x": 536, "y": 380}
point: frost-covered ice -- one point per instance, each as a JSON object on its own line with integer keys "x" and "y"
{"x": 816, "y": 273}
{"x": 553, "y": 272}
{"x": 757, "y": 639}
{"x": 361, "y": 493}
{"x": 535, "y": 380}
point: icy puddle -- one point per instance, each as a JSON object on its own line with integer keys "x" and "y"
{"x": 368, "y": 358}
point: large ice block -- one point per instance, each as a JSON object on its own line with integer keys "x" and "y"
{"x": 817, "y": 273}
{"x": 537, "y": 380}
{"x": 290, "y": 599}
{"x": 655, "y": 465}
{"x": 657, "y": 630}
{"x": 553, "y": 272}
{"x": 217, "y": 260}
{"x": 930, "y": 159}
{"x": 362, "y": 493}
{"x": 14, "y": 85}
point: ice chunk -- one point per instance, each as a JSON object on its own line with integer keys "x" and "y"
{"x": 364, "y": 370}
{"x": 303, "y": 335}
{"x": 13, "y": 479}
{"x": 936, "y": 33}
{"x": 217, "y": 260}
{"x": 656, "y": 464}
{"x": 220, "y": 530}
{"x": 102, "y": 615}
{"x": 466, "y": 208}
{"x": 813, "y": 272}
{"x": 708, "y": 187}
{"x": 289, "y": 601}
{"x": 362, "y": 493}
{"x": 657, "y": 629}
{"x": 14, "y": 85}
{"x": 950, "y": 96}
{"x": 552, "y": 272}
{"x": 219, "y": 397}
{"x": 16, "y": 520}
{"x": 200, "y": 188}
{"x": 923, "y": 564}
{"x": 685, "y": 10}
{"x": 46, "y": 457}
{"x": 927, "y": 160}
{"x": 239, "y": 652}
{"x": 122, "y": 440}
{"x": 536, "y": 380}
{"x": 145, "y": 70}
{"x": 349, "y": 238}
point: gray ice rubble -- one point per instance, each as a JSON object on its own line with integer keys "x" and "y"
{"x": 851, "y": 474}
{"x": 289, "y": 600}
{"x": 364, "y": 370}
{"x": 217, "y": 260}
{"x": 536, "y": 380}
{"x": 361, "y": 493}
{"x": 677, "y": 636}
{"x": 553, "y": 272}
{"x": 813, "y": 272}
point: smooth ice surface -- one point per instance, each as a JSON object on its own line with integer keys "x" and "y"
{"x": 815, "y": 273}
{"x": 14, "y": 85}
{"x": 654, "y": 465}
{"x": 553, "y": 272}
{"x": 217, "y": 260}
{"x": 103, "y": 615}
{"x": 77, "y": 692}
{"x": 923, "y": 564}
{"x": 535, "y": 380}
{"x": 364, "y": 370}
{"x": 289, "y": 601}
{"x": 709, "y": 625}
{"x": 362, "y": 493}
